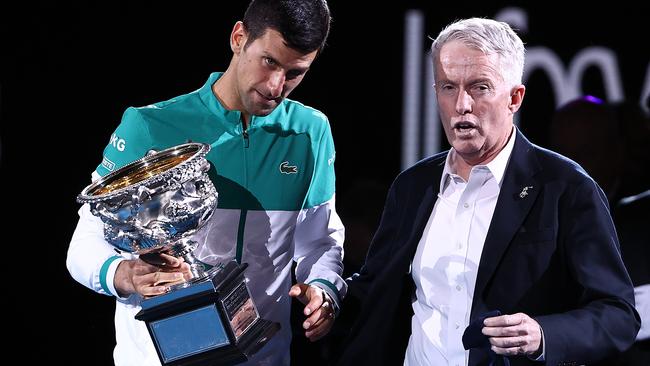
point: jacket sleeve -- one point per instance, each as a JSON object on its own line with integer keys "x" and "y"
{"x": 91, "y": 260}
{"x": 319, "y": 231}
{"x": 605, "y": 320}
{"x": 319, "y": 249}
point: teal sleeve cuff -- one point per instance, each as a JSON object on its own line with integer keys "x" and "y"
{"x": 330, "y": 289}
{"x": 108, "y": 270}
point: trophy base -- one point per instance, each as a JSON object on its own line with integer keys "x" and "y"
{"x": 212, "y": 322}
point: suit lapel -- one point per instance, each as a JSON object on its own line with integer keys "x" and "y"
{"x": 519, "y": 190}
{"x": 424, "y": 207}
{"x": 422, "y": 216}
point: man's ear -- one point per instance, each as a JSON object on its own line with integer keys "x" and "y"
{"x": 237, "y": 38}
{"x": 516, "y": 98}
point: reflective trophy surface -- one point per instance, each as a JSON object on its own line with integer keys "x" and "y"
{"x": 155, "y": 205}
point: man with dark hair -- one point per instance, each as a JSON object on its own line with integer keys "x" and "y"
{"x": 272, "y": 163}
{"x": 305, "y": 35}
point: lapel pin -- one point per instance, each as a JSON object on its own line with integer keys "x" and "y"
{"x": 524, "y": 192}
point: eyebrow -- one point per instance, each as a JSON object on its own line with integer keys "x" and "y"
{"x": 300, "y": 70}
{"x": 479, "y": 80}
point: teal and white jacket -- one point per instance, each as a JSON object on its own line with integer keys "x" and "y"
{"x": 276, "y": 205}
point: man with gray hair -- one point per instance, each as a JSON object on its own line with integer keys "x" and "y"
{"x": 494, "y": 252}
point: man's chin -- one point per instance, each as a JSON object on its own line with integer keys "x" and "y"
{"x": 467, "y": 151}
{"x": 262, "y": 112}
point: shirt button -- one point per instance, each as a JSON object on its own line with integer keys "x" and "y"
{"x": 457, "y": 325}
{"x": 460, "y": 245}
{"x": 458, "y": 287}
{"x": 466, "y": 205}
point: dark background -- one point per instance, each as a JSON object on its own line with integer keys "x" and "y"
{"x": 69, "y": 70}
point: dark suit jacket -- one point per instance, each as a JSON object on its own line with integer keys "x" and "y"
{"x": 551, "y": 253}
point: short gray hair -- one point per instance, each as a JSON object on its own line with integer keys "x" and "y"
{"x": 490, "y": 37}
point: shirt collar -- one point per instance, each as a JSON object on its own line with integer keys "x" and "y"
{"x": 497, "y": 166}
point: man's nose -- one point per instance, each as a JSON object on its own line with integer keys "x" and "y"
{"x": 276, "y": 84}
{"x": 463, "y": 102}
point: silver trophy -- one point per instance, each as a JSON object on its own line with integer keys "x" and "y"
{"x": 155, "y": 205}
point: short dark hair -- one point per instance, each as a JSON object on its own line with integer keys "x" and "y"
{"x": 304, "y": 24}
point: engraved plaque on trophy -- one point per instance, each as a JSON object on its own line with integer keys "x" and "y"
{"x": 155, "y": 205}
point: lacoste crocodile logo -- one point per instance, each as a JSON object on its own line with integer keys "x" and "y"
{"x": 285, "y": 168}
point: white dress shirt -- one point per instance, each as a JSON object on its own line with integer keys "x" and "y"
{"x": 446, "y": 261}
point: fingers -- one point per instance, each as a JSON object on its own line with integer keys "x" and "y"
{"x": 511, "y": 331}
{"x": 319, "y": 330}
{"x": 186, "y": 270}
{"x": 515, "y": 334}
{"x": 319, "y": 312}
{"x": 156, "y": 283}
{"x": 150, "y": 280}
{"x": 150, "y": 291}
{"x": 514, "y": 351}
{"x": 318, "y": 324}
{"x": 301, "y": 292}
{"x": 511, "y": 345}
{"x": 162, "y": 260}
{"x": 169, "y": 278}
{"x": 504, "y": 320}
{"x": 171, "y": 261}
{"x": 509, "y": 325}
{"x": 317, "y": 301}
{"x": 143, "y": 277}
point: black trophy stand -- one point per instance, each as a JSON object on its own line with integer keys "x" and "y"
{"x": 211, "y": 322}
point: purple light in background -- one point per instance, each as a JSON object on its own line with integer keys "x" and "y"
{"x": 592, "y": 99}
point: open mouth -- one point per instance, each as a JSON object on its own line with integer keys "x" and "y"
{"x": 464, "y": 126}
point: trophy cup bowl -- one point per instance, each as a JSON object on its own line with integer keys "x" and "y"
{"x": 155, "y": 205}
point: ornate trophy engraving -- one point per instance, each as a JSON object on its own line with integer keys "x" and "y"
{"x": 154, "y": 205}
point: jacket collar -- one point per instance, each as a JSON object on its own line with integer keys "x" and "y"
{"x": 229, "y": 117}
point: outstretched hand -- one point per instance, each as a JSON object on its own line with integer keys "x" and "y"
{"x": 152, "y": 277}
{"x": 318, "y": 309}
